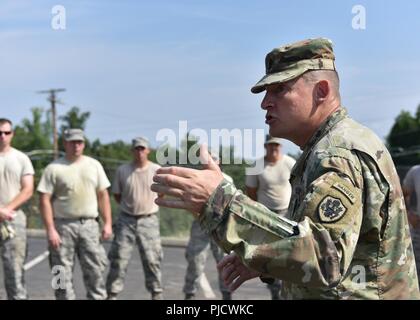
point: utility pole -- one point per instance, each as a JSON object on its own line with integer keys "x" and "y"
{"x": 53, "y": 99}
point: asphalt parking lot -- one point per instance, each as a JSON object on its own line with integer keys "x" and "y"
{"x": 38, "y": 277}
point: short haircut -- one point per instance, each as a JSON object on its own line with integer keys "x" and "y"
{"x": 330, "y": 75}
{"x": 4, "y": 120}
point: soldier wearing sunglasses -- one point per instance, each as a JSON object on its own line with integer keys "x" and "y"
{"x": 16, "y": 187}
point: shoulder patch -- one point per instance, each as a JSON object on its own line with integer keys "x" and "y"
{"x": 331, "y": 209}
{"x": 346, "y": 191}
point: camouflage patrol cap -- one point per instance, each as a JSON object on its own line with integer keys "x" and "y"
{"x": 74, "y": 135}
{"x": 292, "y": 60}
{"x": 272, "y": 140}
{"x": 140, "y": 142}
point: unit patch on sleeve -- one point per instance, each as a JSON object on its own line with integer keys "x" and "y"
{"x": 331, "y": 209}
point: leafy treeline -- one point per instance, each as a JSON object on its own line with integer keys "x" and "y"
{"x": 404, "y": 140}
{"x": 34, "y": 136}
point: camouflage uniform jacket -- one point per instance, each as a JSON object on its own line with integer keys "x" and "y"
{"x": 346, "y": 234}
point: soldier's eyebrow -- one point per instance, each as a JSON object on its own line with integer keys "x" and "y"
{"x": 279, "y": 87}
{"x": 276, "y": 87}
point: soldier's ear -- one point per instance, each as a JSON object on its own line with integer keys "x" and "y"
{"x": 322, "y": 90}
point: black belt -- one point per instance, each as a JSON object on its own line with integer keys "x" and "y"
{"x": 137, "y": 217}
{"x": 81, "y": 220}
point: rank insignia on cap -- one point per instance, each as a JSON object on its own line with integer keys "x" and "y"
{"x": 331, "y": 209}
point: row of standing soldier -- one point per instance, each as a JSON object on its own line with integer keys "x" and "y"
{"x": 74, "y": 187}
{"x": 73, "y": 190}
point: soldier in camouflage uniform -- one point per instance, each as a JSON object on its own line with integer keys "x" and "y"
{"x": 196, "y": 255}
{"x": 16, "y": 187}
{"x": 346, "y": 233}
{"x": 137, "y": 223}
{"x": 71, "y": 190}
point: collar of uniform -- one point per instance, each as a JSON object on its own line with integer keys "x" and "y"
{"x": 328, "y": 124}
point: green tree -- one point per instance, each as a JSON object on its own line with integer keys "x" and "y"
{"x": 74, "y": 118}
{"x": 405, "y": 132}
{"x": 35, "y": 133}
{"x": 33, "y": 136}
{"x": 404, "y": 140}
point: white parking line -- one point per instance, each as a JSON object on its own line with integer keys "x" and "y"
{"x": 36, "y": 260}
{"x": 205, "y": 285}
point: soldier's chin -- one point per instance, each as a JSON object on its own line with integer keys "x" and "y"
{"x": 273, "y": 132}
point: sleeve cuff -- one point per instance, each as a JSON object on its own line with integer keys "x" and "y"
{"x": 217, "y": 205}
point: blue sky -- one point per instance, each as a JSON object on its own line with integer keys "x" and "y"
{"x": 139, "y": 66}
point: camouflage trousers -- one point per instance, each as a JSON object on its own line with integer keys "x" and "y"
{"x": 196, "y": 255}
{"x": 13, "y": 253}
{"x": 81, "y": 238}
{"x": 143, "y": 231}
{"x": 415, "y": 237}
